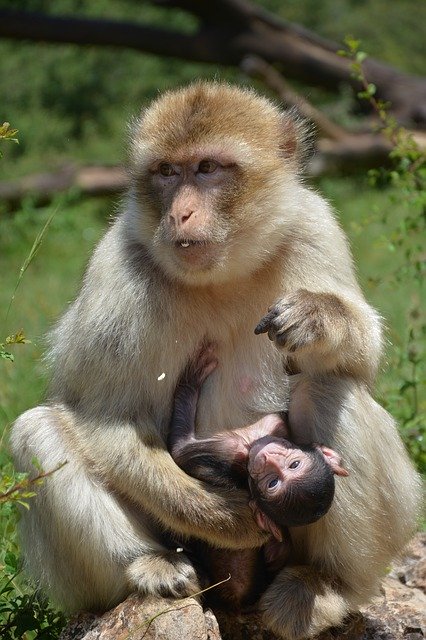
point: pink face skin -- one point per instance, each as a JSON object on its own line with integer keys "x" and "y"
{"x": 274, "y": 461}
{"x": 189, "y": 190}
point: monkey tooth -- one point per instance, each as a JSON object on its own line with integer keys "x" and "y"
{"x": 185, "y": 243}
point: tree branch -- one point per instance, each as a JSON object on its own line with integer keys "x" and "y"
{"x": 258, "y": 68}
{"x": 229, "y": 30}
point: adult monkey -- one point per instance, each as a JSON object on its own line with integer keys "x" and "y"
{"x": 216, "y": 226}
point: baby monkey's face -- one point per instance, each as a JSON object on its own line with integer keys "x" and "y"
{"x": 274, "y": 463}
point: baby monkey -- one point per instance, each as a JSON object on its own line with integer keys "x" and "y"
{"x": 290, "y": 485}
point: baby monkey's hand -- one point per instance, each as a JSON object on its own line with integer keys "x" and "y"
{"x": 200, "y": 366}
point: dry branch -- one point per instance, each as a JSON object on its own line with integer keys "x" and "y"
{"x": 258, "y": 68}
{"x": 89, "y": 181}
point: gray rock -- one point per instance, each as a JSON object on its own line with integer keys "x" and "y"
{"x": 398, "y": 613}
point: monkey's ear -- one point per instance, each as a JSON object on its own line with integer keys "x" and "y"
{"x": 264, "y": 522}
{"x": 334, "y": 460}
{"x": 296, "y": 139}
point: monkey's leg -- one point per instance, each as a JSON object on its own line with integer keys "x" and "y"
{"x": 300, "y": 604}
{"x": 81, "y": 543}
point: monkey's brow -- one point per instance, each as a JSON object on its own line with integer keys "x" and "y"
{"x": 232, "y": 150}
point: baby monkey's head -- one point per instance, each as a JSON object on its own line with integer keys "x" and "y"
{"x": 292, "y": 485}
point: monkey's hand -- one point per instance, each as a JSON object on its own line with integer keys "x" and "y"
{"x": 318, "y": 329}
{"x": 200, "y": 366}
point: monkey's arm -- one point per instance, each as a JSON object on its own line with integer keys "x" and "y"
{"x": 136, "y": 465}
{"x": 207, "y": 459}
{"x": 213, "y": 460}
{"x": 220, "y": 461}
{"x": 182, "y": 423}
{"x": 322, "y": 322}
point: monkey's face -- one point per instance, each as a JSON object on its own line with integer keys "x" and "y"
{"x": 192, "y": 199}
{"x": 209, "y": 179}
{"x": 275, "y": 463}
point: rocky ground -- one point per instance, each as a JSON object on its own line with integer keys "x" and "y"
{"x": 399, "y": 613}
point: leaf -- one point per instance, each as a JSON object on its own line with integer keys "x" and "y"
{"x": 17, "y": 338}
{"x": 6, "y": 355}
{"x": 360, "y": 56}
{"x": 6, "y": 133}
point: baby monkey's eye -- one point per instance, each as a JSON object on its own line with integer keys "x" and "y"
{"x": 294, "y": 464}
{"x": 166, "y": 169}
{"x": 273, "y": 483}
{"x": 207, "y": 166}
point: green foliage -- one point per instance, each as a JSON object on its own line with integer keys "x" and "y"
{"x": 404, "y": 237}
{"x": 6, "y": 133}
{"x": 391, "y": 31}
{"x": 23, "y": 612}
{"x": 29, "y": 616}
{"x": 17, "y": 338}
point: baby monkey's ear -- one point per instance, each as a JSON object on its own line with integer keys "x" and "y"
{"x": 264, "y": 522}
{"x": 334, "y": 460}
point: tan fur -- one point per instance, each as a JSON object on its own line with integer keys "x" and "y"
{"x": 93, "y": 533}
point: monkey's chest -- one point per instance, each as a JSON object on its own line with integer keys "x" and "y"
{"x": 248, "y": 383}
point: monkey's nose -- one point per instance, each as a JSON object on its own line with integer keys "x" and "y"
{"x": 179, "y": 218}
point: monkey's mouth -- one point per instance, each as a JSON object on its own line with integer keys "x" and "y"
{"x": 185, "y": 243}
{"x": 196, "y": 254}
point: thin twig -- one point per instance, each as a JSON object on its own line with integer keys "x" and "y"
{"x": 28, "y": 482}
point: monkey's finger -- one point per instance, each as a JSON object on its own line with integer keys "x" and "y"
{"x": 204, "y": 351}
{"x": 208, "y": 367}
{"x": 265, "y": 322}
{"x": 283, "y": 339}
{"x": 210, "y": 347}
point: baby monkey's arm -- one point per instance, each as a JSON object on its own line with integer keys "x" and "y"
{"x": 222, "y": 459}
{"x": 182, "y": 424}
{"x": 208, "y": 459}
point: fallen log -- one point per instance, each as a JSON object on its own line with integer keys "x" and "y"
{"x": 351, "y": 153}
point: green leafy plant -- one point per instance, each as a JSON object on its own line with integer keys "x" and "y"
{"x": 6, "y": 133}
{"x": 17, "y": 338}
{"x": 23, "y": 612}
{"x": 406, "y": 176}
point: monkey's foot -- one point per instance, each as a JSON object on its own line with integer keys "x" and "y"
{"x": 163, "y": 574}
{"x": 301, "y": 604}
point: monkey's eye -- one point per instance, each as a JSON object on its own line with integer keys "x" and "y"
{"x": 273, "y": 483}
{"x": 294, "y": 464}
{"x": 166, "y": 169}
{"x": 207, "y": 166}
